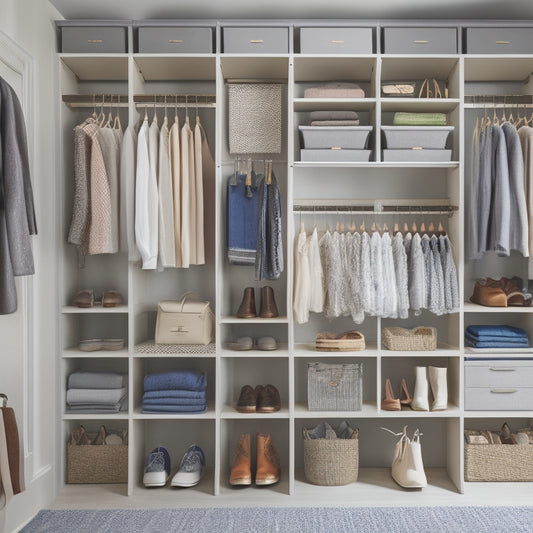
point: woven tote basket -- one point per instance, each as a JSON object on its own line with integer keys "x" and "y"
{"x": 97, "y": 464}
{"x": 331, "y": 462}
{"x": 498, "y": 462}
{"x": 409, "y": 340}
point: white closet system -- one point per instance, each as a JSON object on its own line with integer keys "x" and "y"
{"x": 304, "y": 185}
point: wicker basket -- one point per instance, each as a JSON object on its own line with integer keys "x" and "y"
{"x": 409, "y": 340}
{"x": 498, "y": 462}
{"x": 97, "y": 464}
{"x": 331, "y": 462}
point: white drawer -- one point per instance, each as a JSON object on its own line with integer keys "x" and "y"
{"x": 498, "y": 399}
{"x": 499, "y": 374}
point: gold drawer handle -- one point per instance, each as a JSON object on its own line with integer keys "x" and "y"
{"x": 337, "y": 42}
{"x": 95, "y": 40}
{"x": 416, "y": 148}
{"x": 503, "y": 391}
{"x": 336, "y": 148}
{"x": 502, "y": 369}
{"x": 175, "y": 40}
{"x": 421, "y": 42}
{"x": 503, "y": 42}
{"x": 256, "y": 41}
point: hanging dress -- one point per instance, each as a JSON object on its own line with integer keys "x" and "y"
{"x": 417, "y": 274}
{"x": 400, "y": 270}
{"x": 368, "y": 297}
{"x": 390, "y": 297}
{"x": 316, "y": 303}
{"x": 199, "y": 194}
{"x": 188, "y": 197}
{"x": 376, "y": 271}
{"x": 175, "y": 168}
{"x": 302, "y": 279}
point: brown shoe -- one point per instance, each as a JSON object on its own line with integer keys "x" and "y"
{"x": 390, "y": 403}
{"x": 506, "y": 435}
{"x": 247, "y": 308}
{"x": 512, "y": 287}
{"x": 111, "y": 299}
{"x": 269, "y": 309}
{"x": 100, "y": 436}
{"x": 268, "y": 464}
{"x": 241, "y": 473}
{"x": 487, "y": 295}
{"x": 84, "y": 298}
{"x": 247, "y": 400}
{"x": 268, "y": 400}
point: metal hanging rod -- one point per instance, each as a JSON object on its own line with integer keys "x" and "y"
{"x": 91, "y": 100}
{"x": 279, "y": 81}
{"x": 498, "y": 101}
{"x": 121, "y": 100}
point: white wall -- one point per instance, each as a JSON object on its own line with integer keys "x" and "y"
{"x": 31, "y": 391}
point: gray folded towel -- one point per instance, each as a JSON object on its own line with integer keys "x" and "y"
{"x": 334, "y": 115}
{"x": 335, "y": 123}
{"x": 335, "y": 90}
{"x": 95, "y": 396}
{"x": 97, "y": 380}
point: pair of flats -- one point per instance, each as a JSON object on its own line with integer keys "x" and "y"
{"x": 259, "y": 400}
{"x": 85, "y": 299}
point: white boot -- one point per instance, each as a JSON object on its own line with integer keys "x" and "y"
{"x": 439, "y": 388}
{"x": 420, "y": 397}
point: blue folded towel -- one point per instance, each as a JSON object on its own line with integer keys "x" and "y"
{"x": 496, "y": 331}
{"x": 503, "y": 345}
{"x": 495, "y": 338}
{"x": 174, "y": 408}
{"x": 190, "y": 379}
{"x": 174, "y": 401}
{"x": 174, "y": 394}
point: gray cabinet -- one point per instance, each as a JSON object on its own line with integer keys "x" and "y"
{"x": 336, "y": 40}
{"x": 94, "y": 39}
{"x": 499, "y": 40}
{"x": 184, "y": 40}
{"x": 420, "y": 40}
{"x": 256, "y": 40}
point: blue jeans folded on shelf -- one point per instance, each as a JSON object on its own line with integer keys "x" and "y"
{"x": 193, "y": 380}
{"x": 501, "y": 340}
{"x": 493, "y": 344}
{"x": 174, "y": 401}
{"x": 164, "y": 394}
{"x": 242, "y": 216}
{"x": 175, "y": 408}
{"x": 496, "y": 331}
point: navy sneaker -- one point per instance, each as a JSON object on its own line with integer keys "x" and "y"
{"x": 192, "y": 468}
{"x": 157, "y": 469}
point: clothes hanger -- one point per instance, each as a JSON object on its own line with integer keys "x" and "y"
{"x": 116, "y": 124}
{"x": 101, "y": 116}
{"x": 110, "y": 115}
{"x": 186, "y": 110}
{"x": 197, "y": 115}
{"x": 165, "y": 117}
{"x": 269, "y": 172}
{"x": 154, "y": 118}
{"x": 176, "y": 118}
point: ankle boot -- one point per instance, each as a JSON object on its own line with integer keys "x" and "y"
{"x": 268, "y": 464}
{"x": 241, "y": 473}
{"x": 269, "y": 308}
{"x": 247, "y": 308}
{"x": 439, "y": 388}
{"x": 420, "y": 396}
{"x": 390, "y": 403}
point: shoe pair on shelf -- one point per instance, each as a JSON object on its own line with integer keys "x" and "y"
{"x": 503, "y": 292}
{"x": 247, "y": 343}
{"x": 189, "y": 474}
{"x": 85, "y": 298}
{"x": 93, "y": 345}
{"x": 259, "y": 400}
{"x": 268, "y": 308}
{"x": 268, "y": 469}
{"x": 420, "y": 400}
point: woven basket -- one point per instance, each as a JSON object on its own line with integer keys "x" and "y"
{"x": 97, "y": 464}
{"x": 410, "y": 340}
{"x": 331, "y": 462}
{"x": 498, "y": 462}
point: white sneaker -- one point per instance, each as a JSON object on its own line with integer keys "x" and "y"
{"x": 157, "y": 469}
{"x": 192, "y": 468}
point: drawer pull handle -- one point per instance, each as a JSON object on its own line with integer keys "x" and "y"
{"x": 336, "y": 42}
{"x": 503, "y": 391}
{"x": 95, "y": 40}
{"x": 175, "y": 40}
{"x": 336, "y": 148}
{"x": 256, "y": 41}
{"x": 416, "y": 148}
{"x": 420, "y": 42}
{"x": 502, "y": 369}
{"x": 503, "y": 42}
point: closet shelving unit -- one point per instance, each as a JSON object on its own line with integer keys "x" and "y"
{"x": 132, "y": 75}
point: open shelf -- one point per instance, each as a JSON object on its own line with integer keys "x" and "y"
{"x": 138, "y": 414}
{"x": 71, "y": 309}
{"x": 377, "y": 164}
{"x": 328, "y": 104}
{"x": 229, "y": 411}
{"x": 103, "y": 67}
{"x": 73, "y": 353}
{"x": 369, "y": 411}
{"x": 257, "y": 320}
{"x": 196, "y": 67}
{"x": 470, "y": 307}
{"x": 303, "y": 349}
{"x": 420, "y": 105}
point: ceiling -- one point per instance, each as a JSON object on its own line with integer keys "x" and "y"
{"x": 295, "y": 9}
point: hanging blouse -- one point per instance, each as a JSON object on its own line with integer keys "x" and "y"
{"x": 302, "y": 279}
{"x": 316, "y": 303}
{"x": 368, "y": 298}
{"x": 175, "y": 168}
{"x": 526, "y": 141}
{"x": 376, "y": 270}
{"x": 390, "y": 297}
{"x": 402, "y": 280}
{"x": 439, "y": 308}
{"x": 188, "y": 200}
{"x": 417, "y": 275}
{"x": 199, "y": 194}
{"x": 452, "y": 303}
{"x": 354, "y": 278}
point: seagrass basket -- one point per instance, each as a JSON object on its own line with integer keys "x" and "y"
{"x": 331, "y": 462}
{"x": 421, "y": 338}
{"x": 498, "y": 462}
{"x": 97, "y": 464}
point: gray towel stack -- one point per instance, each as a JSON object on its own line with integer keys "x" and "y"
{"x": 97, "y": 392}
{"x": 334, "y": 118}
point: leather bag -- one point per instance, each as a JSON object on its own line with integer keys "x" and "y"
{"x": 188, "y": 321}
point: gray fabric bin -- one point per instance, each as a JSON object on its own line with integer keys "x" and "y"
{"x": 169, "y": 40}
{"x": 348, "y": 156}
{"x": 94, "y": 39}
{"x": 335, "y": 387}
{"x": 407, "y": 137}
{"x": 499, "y": 40}
{"x": 259, "y": 40}
{"x": 336, "y": 40}
{"x": 416, "y": 156}
{"x": 352, "y": 137}
{"x": 419, "y": 40}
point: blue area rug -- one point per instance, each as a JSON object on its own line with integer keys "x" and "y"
{"x": 288, "y": 520}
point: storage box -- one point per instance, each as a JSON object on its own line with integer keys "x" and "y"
{"x": 408, "y": 137}
{"x": 409, "y": 340}
{"x": 416, "y": 156}
{"x": 257, "y": 40}
{"x": 352, "y": 137}
{"x": 420, "y": 40}
{"x": 94, "y": 39}
{"x": 336, "y": 41}
{"x": 169, "y": 40}
{"x": 348, "y": 156}
{"x": 498, "y": 462}
{"x": 335, "y": 387}
{"x": 499, "y": 40}
{"x": 97, "y": 464}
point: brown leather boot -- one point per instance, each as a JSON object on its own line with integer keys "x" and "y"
{"x": 269, "y": 309}
{"x": 247, "y": 308}
{"x": 241, "y": 473}
{"x": 268, "y": 465}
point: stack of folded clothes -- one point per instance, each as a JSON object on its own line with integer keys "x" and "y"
{"x": 334, "y": 118}
{"x": 419, "y": 119}
{"x": 496, "y": 337}
{"x": 181, "y": 391}
{"x": 335, "y": 90}
{"x": 97, "y": 392}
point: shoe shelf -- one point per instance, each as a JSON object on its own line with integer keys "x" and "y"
{"x": 150, "y": 348}
{"x": 280, "y": 351}
{"x": 71, "y": 309}
{"x": 74, "y": 415}
{"x": 229, "y": 412}
{"x": 138, "y": 414}
{"x": 470, "y": 307}
{"x": 369, "y": 411}
{"x": 258, "y": 320}
{"x": 453, "y": 411}
{"x": 303, "y": 349}
{"x": 75, "y": 353}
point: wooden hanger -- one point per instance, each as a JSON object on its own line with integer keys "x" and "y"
{"x": 116, "y": 124}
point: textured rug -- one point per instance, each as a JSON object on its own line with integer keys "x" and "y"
{"x": 288, "y": 520}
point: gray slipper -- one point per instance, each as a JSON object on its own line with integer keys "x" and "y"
{"x": 267, "y": 343}
{"x": 241, "y": 344}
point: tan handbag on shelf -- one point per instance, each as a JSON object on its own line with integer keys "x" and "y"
{"x": 430, "y": 89}
{"x": 189, "y": 321}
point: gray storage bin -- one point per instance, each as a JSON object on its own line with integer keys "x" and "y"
{"x": 335, "y": 387}
{"x": 420, "y": 40}
{"x": 336, "y": 40}
{"x": 416, "y": 156}
{"x": 408, "y": 137}
{"x": 94, "y": 39}
{"x": 352, "y": 137}
{"x": 257, "y": 40}
{"x": 499, "y": 398}
{"x": 168, "y": 40}
{"x": 499, "y": 40}
{"x": 347, "y": 156}
{"x": 499, "y": 373}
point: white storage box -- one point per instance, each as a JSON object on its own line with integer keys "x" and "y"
{"x": 351, "y": 137}
{"x": 347, "y": 156}
{"x": 406, "y": 137}
{"x": 417, "y": 156}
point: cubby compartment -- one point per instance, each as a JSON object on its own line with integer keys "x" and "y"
{"x": 230, "y": 333}
{"x": 176, "y": 436}
{"x": 268, "y": 370}
{"x": 230, "y": 431}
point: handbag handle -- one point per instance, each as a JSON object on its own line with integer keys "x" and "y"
{"x": 184, "y": 298}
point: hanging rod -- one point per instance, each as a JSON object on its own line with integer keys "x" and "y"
{"x": 95, "y": 100}
{"x": 121, "y": 100}
{"x": 498, "y": 101}
{"x": 278, "y": 81}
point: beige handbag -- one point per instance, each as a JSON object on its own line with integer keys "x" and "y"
{"x": 189, "y": 321}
